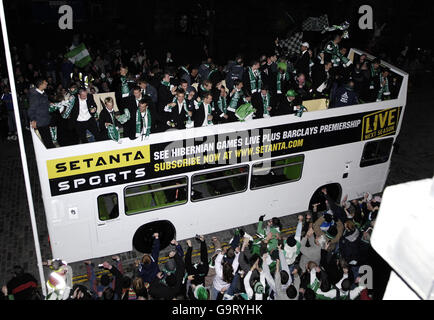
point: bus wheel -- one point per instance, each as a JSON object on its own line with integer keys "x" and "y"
{"x": 142, "y": 240}
{"x": 334, "y": 190}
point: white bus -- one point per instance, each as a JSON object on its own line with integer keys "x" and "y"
{"x": 103, "y": 198}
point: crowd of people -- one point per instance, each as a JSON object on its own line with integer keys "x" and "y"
{"x": 321, "y": 261}
{"x": 150, "y": 96}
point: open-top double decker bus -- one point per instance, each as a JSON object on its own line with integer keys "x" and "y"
{"x": 103, "y": 198}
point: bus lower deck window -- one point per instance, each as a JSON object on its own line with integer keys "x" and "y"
{"x": 273, "y": 172}
{"x": 376, "y": 152}
{"x": 108, "y": 206}
{"x": 219, "y": 183}
{"x": 155, "y": 195}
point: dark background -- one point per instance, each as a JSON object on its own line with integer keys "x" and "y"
{"x": 226, "y": 27}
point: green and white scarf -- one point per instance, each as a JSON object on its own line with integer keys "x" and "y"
{"x": 337, "y": 57}
{"x": 203, "y": 88}
{"x": 333, "y": 49}
{"x": 55, "y": 106}
{"x": 374, "y": 73}
{"x": 245, "y": 112}
{"x": 279, "y": 78}
{"x": 113, "y": 133}
{"x": 299, "y": 112}
{"x": 266, "y": 101}
{"x": 189, "y": 123}
{"x": 125, "y": 89}
{"x": 53, "y": 132}
{"x": 139, "y": 122}
{"x": 234, "y": 101}
{"x": 66, "y": 104}
{"x": 112, "y": 130}
{"x": 253, "y": 79}
{"x": 165, "y": 83}
{"x": 221, "y": 103}
{"x": 70, "y": 105}
{"x": 124, "y": 117}
{"x": 211, "y": 72}
{"x": 384, "y": 90}
{"x": 209, "y": 111}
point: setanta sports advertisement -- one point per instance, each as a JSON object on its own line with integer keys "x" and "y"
{"x": 80, "y": 173}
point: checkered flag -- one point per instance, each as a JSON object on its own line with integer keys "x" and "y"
{"x": 290, "y": 45}
{"x": 315, "y": 23}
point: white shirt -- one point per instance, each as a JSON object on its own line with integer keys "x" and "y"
{"x": 144, "y": 116}
{"x": 218, "y": 283}
{"x": 84, "y": 114}
{"x": 180, "y": 106}
{"x": 205, "y": 120}
{"x": 41, "y": 92}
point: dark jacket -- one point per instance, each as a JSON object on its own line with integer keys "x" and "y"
{"x": 151, "y": 92}
{"x": 247, "y": 88}
{"x": 182, "y": 74}
{"x": 200, "y": 270}
{"x": 159, "y": 290}
{"x": 284, "y": 83}
{"x": 302, "y": 64}
{"x": 149, "y": 272}
{"x": 319, "y": 76}
{"x": 165, "y": 96}
{"x": 235, "y": 71}
{"x": 204, "y": 70}
{"x": 76, "y": 108}
{"x": 118, "y": 282}
{"x": 283, "y": 106}
{"x": 38, "y": 108}
{"x": 260, "y": 110}
{"x": 199, "y": 115}
{"x": 345, "y": 96}
{"x": 105, "y": 117}
{"x": 178, "y": 117}
{"x": 130, "y": 125}
{"x": 23, "y": 287}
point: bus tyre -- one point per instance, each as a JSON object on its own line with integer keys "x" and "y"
{"x": 143, "y": 238}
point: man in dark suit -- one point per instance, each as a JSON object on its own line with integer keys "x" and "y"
{"x": 287, "y": 104}
{"x": 148, "y": 89}
{"x": 38, "y": 112}
{"x": 145, "y": 114}
{"x": 184, "y": 74}
{"x": 132, "y": 104}
{"x": 83, "y": 114}
{"x": 204, "y": 112}
{"x": 266, "y": 103}
{"x": 178, "y": 111}
{"x": 106, "y": 118}
{"x": 321, "y": 78}
{"x": 302, "y": 64}
{"x": 166, "y": 93}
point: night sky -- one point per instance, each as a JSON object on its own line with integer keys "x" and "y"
{"x": 247, "y": 27}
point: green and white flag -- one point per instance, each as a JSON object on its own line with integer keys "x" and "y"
{"x": 79, "y": 56}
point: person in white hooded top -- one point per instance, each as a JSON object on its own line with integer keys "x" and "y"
{"x": 221, "y": 281}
